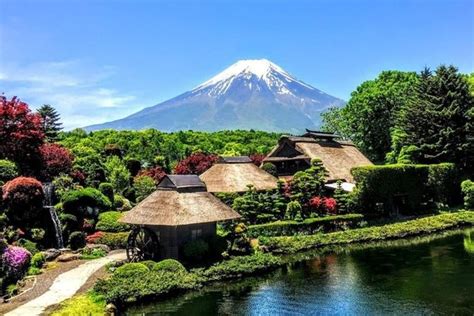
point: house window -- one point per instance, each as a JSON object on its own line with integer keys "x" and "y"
{"x": 196, "y": 233}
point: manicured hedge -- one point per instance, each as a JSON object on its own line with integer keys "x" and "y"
{"x": 308, "y": 226}
{"x": 405, "y": 189}
{"x": 108, "y": 222}
{"x": 467, "y": 188}
{"x": 77, "y": 199}
{"x": 415, "y": 227}
{"x": 113, "y": 240}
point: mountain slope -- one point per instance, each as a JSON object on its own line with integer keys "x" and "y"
{"x": 250, "y": 94}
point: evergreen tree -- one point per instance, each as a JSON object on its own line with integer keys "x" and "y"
{"x": 439, "y": 119}
{"x": 51, "y": 124}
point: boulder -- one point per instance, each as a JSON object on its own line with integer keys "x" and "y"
{"x": 68, "y": 257}
{"x": 51, "y": 254}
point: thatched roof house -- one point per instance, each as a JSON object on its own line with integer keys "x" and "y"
{"x": 179, "y": 210}
{"x": 293, "y": 154}
{"x": 234, "y": 174}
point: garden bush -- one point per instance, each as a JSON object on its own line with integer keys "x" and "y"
{"x": 131, "y": 270}
{"x": 467, "y": 188}
{"x": 270, "y": 168}
{"x": 75, "y": 201}
{"x": 77, "y": 240}
{"x": 169, "y": 265}
{"x": 293, "y": 211}
{"x": 15, "y": 261}
{"x": 28, "y": 245}
{"x": 24, "y": 199}
{"x": 196, "y": 249}
{"x": 38, "y": 260}
{"x": 108, "y": 222}
{"x": 305, "y": 227}
{"x": 92, "y": 253}
{"x": 121, "y": 204}
{"x": 149, "y": 264}
{"x": 113, "y": 240}
{"x": 144, "y": 186}
{"x": 108, "y": 190}
{"x": 8, "y": 170}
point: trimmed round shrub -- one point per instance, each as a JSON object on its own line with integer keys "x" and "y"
{"x": 8, "y": 170}
{"x": 196, "y": 249}
{"x": 131, "y": 269}
{"x": 108, "y": 222}
{"x": 121, "y": 204}
{"x": 108, "y": 190}
{"x": 169, "y": 265}
{"x": 76, "y": 200}
{"x": 113, "y": 240}
{"x": 16, "y": 260}
{"x": 77, "y": 240}
{"x": 270, "y": 168}
{"x": 24, "y": 197}
{"x": 467, "y": 188}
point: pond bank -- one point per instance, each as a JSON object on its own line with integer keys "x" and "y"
{"x": 124, "y": 291}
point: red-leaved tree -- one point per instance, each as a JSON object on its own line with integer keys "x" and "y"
{"x": 196, "y": 163}
{"x": 157, "y": 173}
{"x": 257, "y": 159}
{"x": 24, "y": 198}
{"x": 21, "y": 134}
{"x": 55, "y": 160}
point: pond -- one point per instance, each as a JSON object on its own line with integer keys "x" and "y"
{"x": 433, "y": 275}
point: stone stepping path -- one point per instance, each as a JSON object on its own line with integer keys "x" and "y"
{"x": 65, "y": 286}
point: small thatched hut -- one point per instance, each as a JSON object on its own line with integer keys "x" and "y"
{"x": 293, "y": 154}
{"x": 180, "y": 210}
{"x": 234, "y": 174}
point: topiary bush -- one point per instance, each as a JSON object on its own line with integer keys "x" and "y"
{"x": 467, "y": 188}
{"x": 196, "y": 249}
{"x": 131, "y": 270}
{"x": 38, "y": 260}
{"x": 293, "y": 211}
{"x": 108, "y": 190}
{"x": 77, "y": 240}
{"x": 75, "y": 201}
{"x": 108, "y": 222}
{"x": 15, "y": 261}
{"x": 24, "y": 199}
{"x": 122, "y": 204}
{"x": 149, "y": 263}
{"x": 169, "y": 265}
{"x": 8, "y": 170}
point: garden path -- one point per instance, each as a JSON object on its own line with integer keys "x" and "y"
{"x": 65, "y": 286}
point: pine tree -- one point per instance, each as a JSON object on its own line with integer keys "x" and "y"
{"x": 51, "y": 124}
{"x": 438, "y": 120}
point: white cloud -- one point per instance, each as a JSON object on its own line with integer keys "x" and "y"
{"x": 78, "y": 92}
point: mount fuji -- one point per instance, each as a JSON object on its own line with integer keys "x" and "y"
{"x": 250, "y": 94}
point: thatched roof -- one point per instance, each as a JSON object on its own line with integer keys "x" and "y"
{"x": 169, "y": 206}
{"x": 236, "y": 176}
{"x": 338, "y": 157}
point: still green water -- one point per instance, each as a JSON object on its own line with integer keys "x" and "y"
{"x": 428, "y": 276}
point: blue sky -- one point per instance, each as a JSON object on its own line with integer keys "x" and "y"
{"x": 101, "y": 60}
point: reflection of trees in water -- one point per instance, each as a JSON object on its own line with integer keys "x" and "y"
{"x": 469, "y": 241}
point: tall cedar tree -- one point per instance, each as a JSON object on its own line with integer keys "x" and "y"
{"x": 21, "y": 135}
{"x": 439, "y": 119}
{"x": 51, "y": 124}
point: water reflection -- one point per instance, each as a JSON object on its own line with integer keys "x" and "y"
{"x": 426, "y": 276}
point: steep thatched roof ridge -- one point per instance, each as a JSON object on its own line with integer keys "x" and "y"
{"x": 235, "y": 177}
{"x": 172, "y": 208}
{"x": 337, "y": 158}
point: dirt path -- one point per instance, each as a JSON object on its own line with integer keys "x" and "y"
{"x": 65, "y": 285}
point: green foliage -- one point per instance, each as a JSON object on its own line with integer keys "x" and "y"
{"x": 293, "y": 211}
{"x": 425, "y": 225}
{"x": 227, "y": 197}
{"x": 270, "y": 168}
{"x": 258, "y": 207}
{"x": 342, "y": 199}
{"x": 108, "y": 190}
{"x": 305, "y": 227}
{"x": 437, "y": 121}
{"x": 38, "y": 260}
{"x": 83, "y": 304}
{"x": 371, "y": 112}
{"x": 92, "y": 253}
{"x": 196, "y": 250}
{"x": 117, "y": 174}
{"x": 402, "y": 189}
{"x": 149, "y": 263}
{"x": 144, "y": 186}
{"x": 37, "y": 234}
{"x": 75, "y": 201}
{"x": 170, "y": 265}
{"x": 50, "y": 120}
{"x": 62, "y": 184}
{"x": 122, "y": 204}
{"x": 77, "y": 240}
{"x": 32, "y": 247}
{"x": 8, "y": 170}
{"x": 108, "y": 222}
{"x": 131, "y": 270}
{"x": 467, "y": 188}
{"x": 309, "y": 183}
{"x": 113, "y": 240}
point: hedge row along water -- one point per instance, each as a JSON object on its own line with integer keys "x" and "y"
{"x": 307, "y": 226}
{"x": 415, "y": 227}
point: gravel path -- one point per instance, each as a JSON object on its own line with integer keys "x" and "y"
{"x": 65, "y": 286}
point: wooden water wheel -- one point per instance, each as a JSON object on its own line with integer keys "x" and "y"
{"x": 142, "y": 244}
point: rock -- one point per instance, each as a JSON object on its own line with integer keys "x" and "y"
{"x": 111, "y": 309}
{"x": 51, "y": 254}
{"x": 98, "y": 246}
{"x": 68, "y": 257}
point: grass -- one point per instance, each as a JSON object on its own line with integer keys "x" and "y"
{"x": 83, "y": 304}
{"x": 410, "y": 228}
